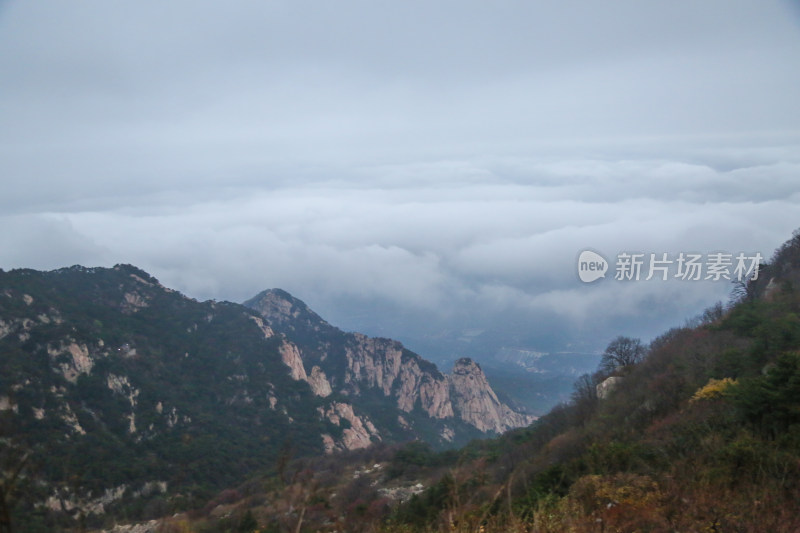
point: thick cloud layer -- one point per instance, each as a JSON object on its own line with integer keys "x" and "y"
{"x": 407, "y": 167}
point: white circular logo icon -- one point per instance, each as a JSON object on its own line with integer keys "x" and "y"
{"x": 591, "y": 266}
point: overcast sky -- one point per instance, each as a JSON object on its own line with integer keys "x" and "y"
{"x": 444, "y": 160}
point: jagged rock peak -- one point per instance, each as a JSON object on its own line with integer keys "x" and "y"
{"x": 465, "y": 365}
{"x": 476, "y": 402}
{"x": 278, "y": 307}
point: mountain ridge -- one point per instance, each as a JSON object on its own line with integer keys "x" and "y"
{"x": 385, "y": 364}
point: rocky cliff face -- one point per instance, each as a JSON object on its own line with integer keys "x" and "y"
{"x": 385, "y": 365}
{"x": 477, "y": 404}
{"x": 354, "y": 364}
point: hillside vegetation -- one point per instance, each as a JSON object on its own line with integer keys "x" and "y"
{"x": 702, "y": 435}
{"x": 113, "y": 385}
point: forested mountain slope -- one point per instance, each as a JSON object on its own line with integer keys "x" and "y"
{"x": 121, "y": 398}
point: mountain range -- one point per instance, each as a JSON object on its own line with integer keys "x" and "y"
{"x": 118, "y": 394}
{"x": 699, "y": 432}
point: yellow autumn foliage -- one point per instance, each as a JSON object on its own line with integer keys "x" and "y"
{"x": 715, "y": 388}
